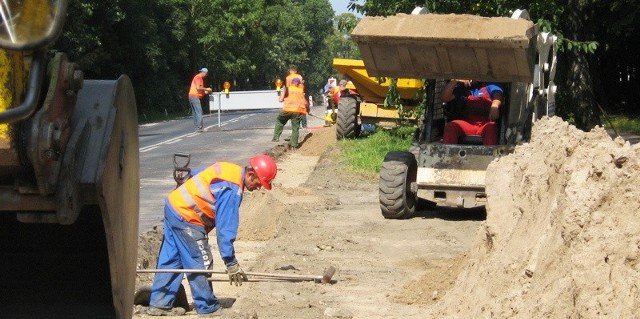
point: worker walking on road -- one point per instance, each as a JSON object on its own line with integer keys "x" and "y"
{"x": 196, "y": 92}
{"x": 209, "y": 199}
{"x": 295, "y": 107}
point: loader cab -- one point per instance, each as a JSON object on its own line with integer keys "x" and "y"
{"x": 445, "y": 112}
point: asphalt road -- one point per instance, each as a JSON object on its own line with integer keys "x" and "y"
{"x": 235, "y": 138}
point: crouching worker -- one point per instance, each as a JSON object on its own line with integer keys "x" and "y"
{"x": 209, "y": 199}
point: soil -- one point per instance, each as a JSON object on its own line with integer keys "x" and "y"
{"x": 560, "y": 238}
{"x": 446, "y": 27}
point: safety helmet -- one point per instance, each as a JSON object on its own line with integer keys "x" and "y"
{"x": 266, "y": 169}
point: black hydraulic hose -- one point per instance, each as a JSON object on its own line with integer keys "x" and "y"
{"x": 33, "y": 91}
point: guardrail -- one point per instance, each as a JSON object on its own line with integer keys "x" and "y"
{"x": 244, "y": 100}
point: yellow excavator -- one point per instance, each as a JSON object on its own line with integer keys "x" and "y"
{"x": 69, "y": 182}
{"x": 362, "y": 100}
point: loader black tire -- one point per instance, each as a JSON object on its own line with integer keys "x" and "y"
{"x": 399, "y": 170}
{"x": 347, "y": 121}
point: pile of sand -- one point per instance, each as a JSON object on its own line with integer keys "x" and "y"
{"x": 562, "y": 235}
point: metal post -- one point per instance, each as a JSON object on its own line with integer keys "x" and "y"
{"x": 219, "y": 108}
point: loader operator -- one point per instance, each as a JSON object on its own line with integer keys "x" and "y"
{"x": 209, "y": 199}
{"x": 479, "y": 105}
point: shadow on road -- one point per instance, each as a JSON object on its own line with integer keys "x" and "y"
{"x": 453, "y": 214}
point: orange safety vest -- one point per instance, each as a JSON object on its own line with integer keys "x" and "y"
{"x": 193, "y": 91}
{"x": 194, "y": 201}
{"x": 290, "y": 78}
{"x": 295, "y": 101}
{"x": 335, "y": 94}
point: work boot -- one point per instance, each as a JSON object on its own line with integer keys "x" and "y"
{"x": 177, "y": 311}
{"x": 275, "y": 139}
{"x": 218, "y": 313}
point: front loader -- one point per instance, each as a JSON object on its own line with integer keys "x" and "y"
{"x": 69, "y": 185}
{"x": 509, "y": 51}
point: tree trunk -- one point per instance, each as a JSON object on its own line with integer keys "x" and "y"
{"x": 578, "y": 85}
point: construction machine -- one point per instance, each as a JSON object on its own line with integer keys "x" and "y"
{"x": 361, "y": 101}
{"x": 509, "y": 51}
{"x": 69, "y": 186}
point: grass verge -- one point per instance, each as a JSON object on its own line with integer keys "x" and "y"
{"x": 622, "y": 123}
{"x": 365, "y": 154}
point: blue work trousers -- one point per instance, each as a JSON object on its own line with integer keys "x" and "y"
{"x": 185, "y": 246}
{"x": 196, "y": 108}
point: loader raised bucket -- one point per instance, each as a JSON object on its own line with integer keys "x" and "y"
{"x": 368, "y": 86}
{"x": 444, "y": 46}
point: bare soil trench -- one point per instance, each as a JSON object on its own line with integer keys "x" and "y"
{"x": 318, "y": 215}
{"x": 561, "y": 212}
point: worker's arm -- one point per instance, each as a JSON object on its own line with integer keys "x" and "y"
{"x": 447, "y": 92}
{"x": 446, "y": 95}
{"x": 228, "y": 198}
{"x": 496, "y": 102}
{"x": 283, "y": 94}
{"x": 204, "y": 90}
{"x": 199, "y": 82}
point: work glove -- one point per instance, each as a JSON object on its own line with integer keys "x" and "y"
{"x": 236, "y": 274}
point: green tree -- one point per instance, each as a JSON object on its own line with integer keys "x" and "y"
{"x": 145, "y": 40}
{"x": 340, "y": 42}
{"x": 598, "y": 41}
{"x": 318, "y": 23}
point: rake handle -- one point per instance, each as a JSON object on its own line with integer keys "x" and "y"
{"x": 257, "y": 274}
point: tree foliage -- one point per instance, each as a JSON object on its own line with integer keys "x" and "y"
{"x": 161, "y": 44}
{"x": 597, "y": 39}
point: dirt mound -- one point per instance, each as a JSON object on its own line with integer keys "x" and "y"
{"x": 148, "y": 247}
{"x": 259, "y": 215}
{"x": 260, "y": 211}
{"x": 562, "y": 234}
{"x": 318, "y": 140}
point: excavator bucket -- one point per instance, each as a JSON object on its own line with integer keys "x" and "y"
{"x": 369, "y": 87}
{"x": 437, "y": 46}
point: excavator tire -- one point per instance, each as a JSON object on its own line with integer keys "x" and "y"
{"x": 399, "y": 170}
{"x": 114, "y": 176}
{"x": 83, "y": 265}
{"x": 347, "y": 122}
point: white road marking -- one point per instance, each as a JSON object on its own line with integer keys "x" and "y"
{"x": 155, "y": 181}
{"x": 174, "y": 141}
{"x": 179, "y": 138}
{"x": 146, "y": 149}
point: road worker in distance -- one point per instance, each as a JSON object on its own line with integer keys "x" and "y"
{"x": 294, "y": 108}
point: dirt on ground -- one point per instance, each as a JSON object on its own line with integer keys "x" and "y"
{"x": 560, "y": 238}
